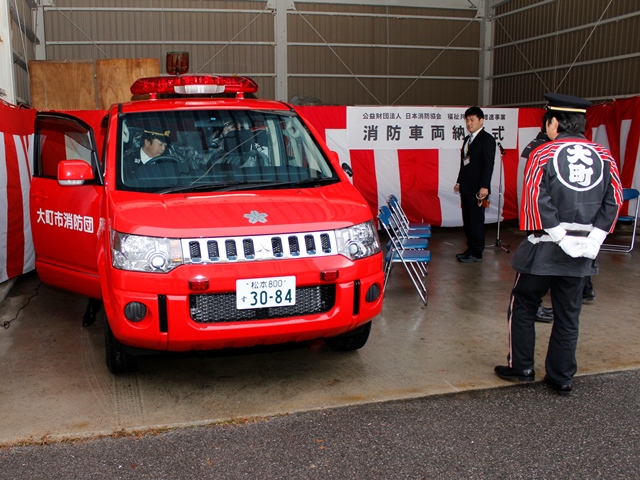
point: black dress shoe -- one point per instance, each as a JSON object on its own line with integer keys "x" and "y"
{"x": 588, "y": 296}
{"x": 564, "y": 390}
{"x": 513, "y": 375}
{"x": 468, "y": 258}
{"x": 463, "y": 254}
{"x": 544, "y": 314}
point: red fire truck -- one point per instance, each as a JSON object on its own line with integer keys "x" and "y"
{"x": 203, "y": 223}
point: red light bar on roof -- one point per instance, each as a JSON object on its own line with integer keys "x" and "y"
{"x": 193, "y": 84}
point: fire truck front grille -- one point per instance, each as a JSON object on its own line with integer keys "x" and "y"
{"x": 294, "y": 246}
{"x": 276, "y": 245}
{"x": 212, "y": 250}
{"x": 221, "y": 307}
{"x": 259, "y": 247}
{"x": 325, "y": 242}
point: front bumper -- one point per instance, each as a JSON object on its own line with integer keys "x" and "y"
{"x": 179, "y": 319}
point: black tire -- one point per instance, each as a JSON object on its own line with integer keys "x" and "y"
{"x": 118, "y": 359}
{"x": 349, "y": 341}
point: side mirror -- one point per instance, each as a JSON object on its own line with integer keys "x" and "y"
{"x": 347, "y": 169}
{"x": 74, "y": 172}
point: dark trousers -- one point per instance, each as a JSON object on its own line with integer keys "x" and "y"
{"x": 473, "y": 223}
{"x": 566, "y": 300}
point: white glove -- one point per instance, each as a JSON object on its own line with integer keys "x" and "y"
{"x": 556, "y": 233}
{"x": 594, "y": 241}
{"x": 574, "y": 246}
{"x": 592, "y": 249}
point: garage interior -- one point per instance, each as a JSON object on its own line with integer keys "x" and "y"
{"x": 458, "y": 52}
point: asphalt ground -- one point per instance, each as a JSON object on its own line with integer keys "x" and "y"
{"x": 515, "y": 432}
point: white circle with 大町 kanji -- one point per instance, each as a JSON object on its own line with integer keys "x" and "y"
{"x": 578, "y": 166}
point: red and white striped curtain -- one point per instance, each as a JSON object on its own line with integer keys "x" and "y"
{"x": 423, "y": 179}
{"x": 616, "y": 125}
{"x": 16, "y": 149}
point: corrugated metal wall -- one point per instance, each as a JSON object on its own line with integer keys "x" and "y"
{"x": 367, "y": 55}
{"x": 23, "y": 45}
{"x": 340, "y": 54}
{"x": 588, "y": 48}
{"x": 221, "y": 37}
{"x": 384, "y": 55}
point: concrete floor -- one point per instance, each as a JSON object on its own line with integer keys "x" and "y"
{"x": 55, "y": 383}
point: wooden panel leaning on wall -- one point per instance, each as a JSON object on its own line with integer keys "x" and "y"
{"x": 52, "y": 81}
{"x": 59, "y": 85}
{"x": 115, "y": 77}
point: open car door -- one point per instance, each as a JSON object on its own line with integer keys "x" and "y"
{"x": 66, "y": 192}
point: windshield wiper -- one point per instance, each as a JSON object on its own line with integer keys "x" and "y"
{"x": 216, "y": 186}
{"x": 252, "y": 185}
{"x": 237, "y": 185}
{"x": 308, "y": 182}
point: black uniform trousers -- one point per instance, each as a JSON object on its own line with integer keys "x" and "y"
{"x": 473, "y": 224}
{"x": 566, "y": 299}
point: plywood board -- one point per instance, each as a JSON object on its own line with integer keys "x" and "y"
{"x": 115, "y": 77}
{"x": 57, "y": 85}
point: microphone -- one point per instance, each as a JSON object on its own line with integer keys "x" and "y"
{"x": 501, "y": 149}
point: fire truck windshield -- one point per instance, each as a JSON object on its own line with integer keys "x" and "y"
{"x": 217, "y": 150}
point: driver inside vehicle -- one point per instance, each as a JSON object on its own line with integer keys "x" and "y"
{"x": 153, "y": 144}
{"x": 140, "y": 163}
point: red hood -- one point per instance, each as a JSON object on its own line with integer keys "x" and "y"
{"x": 232, "y": 213}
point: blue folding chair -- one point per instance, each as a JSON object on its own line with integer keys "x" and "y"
{"x": 411, "y": 243}
{"x": 411, "y": 239}
{"x": 627, "y": 195}
{"x": 402, "y": 229}
{"x": 398, "y": 211}
{"x": 415, "y": 261}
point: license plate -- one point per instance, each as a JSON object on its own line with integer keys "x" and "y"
{"x": 265, "y": 292}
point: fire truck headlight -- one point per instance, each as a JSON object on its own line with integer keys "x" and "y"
{"x": 145, "y": 254}
{"x": 358, "y": 241}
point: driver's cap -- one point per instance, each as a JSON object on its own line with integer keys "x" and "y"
{"x": 163, "y": 136}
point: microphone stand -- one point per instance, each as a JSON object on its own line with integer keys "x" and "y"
{"x": 499, "y": 243}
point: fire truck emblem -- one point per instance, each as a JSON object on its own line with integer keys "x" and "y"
{"x": 254, "y": 217}
{"x": 578, "y": 166}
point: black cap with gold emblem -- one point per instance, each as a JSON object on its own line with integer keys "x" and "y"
{"x": 156, "y": 132}
{"x": 566, "y": 103}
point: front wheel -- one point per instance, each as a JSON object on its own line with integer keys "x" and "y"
{"x": 349, "y": 341}
{"x": 118, "y": 359}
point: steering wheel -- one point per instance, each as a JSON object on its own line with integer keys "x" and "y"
{"x": 181, "y": 166}
{"x": 163, "y": 158}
